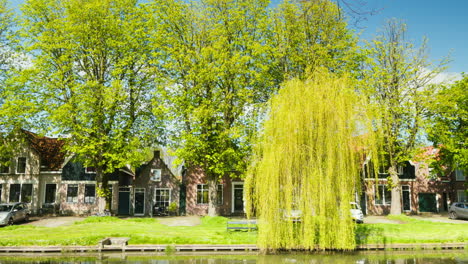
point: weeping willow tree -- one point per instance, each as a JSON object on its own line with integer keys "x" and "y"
{"x": 308, "y": 162}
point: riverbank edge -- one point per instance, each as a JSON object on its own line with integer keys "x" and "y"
{"x": 173, "y": 248}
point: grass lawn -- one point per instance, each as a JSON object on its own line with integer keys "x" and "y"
{"x": 212, "y": 231}
{"x": 411, "y": 231}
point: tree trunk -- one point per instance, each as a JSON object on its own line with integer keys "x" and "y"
{"x": 103, "y": 200}
{"x": 395, "y": 208}
{"x": 212, "y": 196}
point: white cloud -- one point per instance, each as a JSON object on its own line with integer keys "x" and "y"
{"x": 446, "y": 77}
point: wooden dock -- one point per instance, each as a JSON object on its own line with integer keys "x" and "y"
{"x": 209, "y": 248}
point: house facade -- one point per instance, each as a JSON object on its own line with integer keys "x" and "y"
{"x": 230, "y": 194}
{"x": 421, "y": 190}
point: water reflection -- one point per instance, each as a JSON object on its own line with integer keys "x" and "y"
{"x": 392, "y": 257}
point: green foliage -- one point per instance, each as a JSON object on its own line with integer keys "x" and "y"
{"x": 448, "y": 116}
{"x": 214, "y": 73}
{"x": 308, "y": 159}
{"x": 92, "y": 78}
{"x": 306, "y": 35}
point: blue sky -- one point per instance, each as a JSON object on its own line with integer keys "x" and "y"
{"x": 444, "y": 23}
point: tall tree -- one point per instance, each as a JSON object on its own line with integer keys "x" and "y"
{"x": 310, "y": 34}
{"x": 307, "y": 160}
{"x": 7, "y": 121}
{"x": 401, "y": 81}
{"x": 214, "y": 69}
{"x": 91, "y": 75}
{"x": 448, "y": 131}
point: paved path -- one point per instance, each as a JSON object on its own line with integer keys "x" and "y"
{"x": 180, "y": 220}
{"x": 374, "y": 219}
{"x": 54, "y": 221}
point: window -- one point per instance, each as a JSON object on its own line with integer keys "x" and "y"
{"x": 400, "y": 170}
{"x": 26, "y": 193}
{"x": 15, "y": 192}
{"x": 50, "y": 191}
{"x": 384, "y": 196}
{"x": 155, "y": 175}
{"x": 162, "y": 198}
{"x": 72, "y": 193}
{"x": 219, "y": 194}
{"x": 202, "y": 194}
{"x": 90, "y": 193}
{"x": 90, "y": 170}
{"x": 459, "y": 175}
{"x": 461, "y": 195}
{"x": 21, "y": 165}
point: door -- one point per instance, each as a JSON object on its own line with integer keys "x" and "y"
{"x": 406, "y": 198}
{"x": 139, "y": 201}
{"x": 238, "y": 198}
{"x": 363, "y": 203}
{"x": 50, "y": 191}
{"x": 124, "y": 201}
{"x": 427, "y": 202}
{"x": 182, "y": 199}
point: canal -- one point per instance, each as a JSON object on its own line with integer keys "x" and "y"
{"x": 384, "y": 257}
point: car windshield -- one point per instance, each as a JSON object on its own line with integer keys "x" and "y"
{"x": 5, "y": 208}
{"x": 354, "y": 206}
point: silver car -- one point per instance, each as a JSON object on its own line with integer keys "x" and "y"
{"x": 458, "y": 210}
{"x": 13, "y": 212}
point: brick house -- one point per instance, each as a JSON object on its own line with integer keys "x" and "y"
{"x": 421, "y": 190}
{"x": 230, "y": 193}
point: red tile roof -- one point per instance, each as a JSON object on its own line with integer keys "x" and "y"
{"x": 50, "y": 150}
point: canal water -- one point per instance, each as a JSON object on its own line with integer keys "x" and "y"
{"x": 385, "y": 257}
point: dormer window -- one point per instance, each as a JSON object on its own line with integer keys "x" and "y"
{"x": 400, "y": 170}
{"x": 90, "y": 170}
{"x": 21, "y": 165}
{"x": 155, "y": 175}
{"x": 459, "y": 175}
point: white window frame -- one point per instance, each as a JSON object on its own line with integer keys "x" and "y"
{"x": 203, "y": 188}
{"x": 460, "y": 175}
{"x": 84, "y": 194}
{"x": 20, "y": 198}
{"x": 382, "y": 195}
{"x": 45, "y": 193}
{"x": 409, "y": 191}
{"x": 163, "y": 189}
{"x": 460, "y": 195}
{"x": 156, "y": 175}
{"x": 222, "y": 194}
{"x": 77, "y": 193}
{"x": 25, "y": 165}
{"x": 234, "y": 184}
{"x": 143, "y": 190}
{"x": 400, "y": 170}
{"x": 88, "y": 170}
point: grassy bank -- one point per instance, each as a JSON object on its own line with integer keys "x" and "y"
{"x": 212, "y": 231}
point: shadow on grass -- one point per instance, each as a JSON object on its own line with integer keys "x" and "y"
{"x": 369, "y": 234}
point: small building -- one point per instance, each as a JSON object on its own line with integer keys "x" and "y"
{"x": 421, "y": 190}
{"x": 230, "y": 194}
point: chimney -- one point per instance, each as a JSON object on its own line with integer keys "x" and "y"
{"x": 157, "y": 154}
